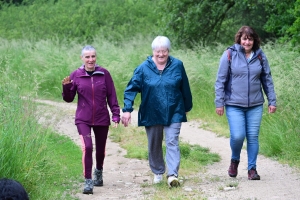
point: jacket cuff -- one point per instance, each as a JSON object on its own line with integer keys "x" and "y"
{"x": 127, "y": 110}
{"x": 116, "y": 119}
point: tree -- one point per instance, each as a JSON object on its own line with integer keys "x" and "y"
{"x": 193, "y": 21}
{"x": 281, "y": 16}
{"x": 294, "y": 30}
{"x": 210, "y": 21}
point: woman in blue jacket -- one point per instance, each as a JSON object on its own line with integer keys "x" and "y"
{"x": 243, "y": 73}
{"x": 165, "y": 100}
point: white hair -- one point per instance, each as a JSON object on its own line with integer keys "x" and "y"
{"x": 161, "y": 41}
{"x": 87, "y": 48}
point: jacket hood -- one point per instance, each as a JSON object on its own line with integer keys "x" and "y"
{"x": 98, "y": 70}
{"x": 152, "y": 65}
{"x": 97, "y": 67}
{"x": 240, "y": 48}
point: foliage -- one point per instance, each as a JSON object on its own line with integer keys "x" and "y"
{"x": 186, "y": 22}
{"x": 30, "y": 153}
{"x": 294, "y": 30}
{"x": 204, "y": 22}
{"x": 280, "y": 16}
{"x": 190, "y": 22}
{"x": 251, "y": 13}
{"x": 77, "y": 19}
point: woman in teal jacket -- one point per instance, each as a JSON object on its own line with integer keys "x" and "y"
{"x": 165, "y": 100}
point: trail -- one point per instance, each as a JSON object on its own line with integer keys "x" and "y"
{"x": 123, "y": 177}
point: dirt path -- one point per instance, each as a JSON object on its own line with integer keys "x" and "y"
{"x": 123, "y": 177}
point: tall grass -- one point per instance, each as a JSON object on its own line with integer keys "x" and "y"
{"x": 47, "y": 62}
{"x": 77, "y": 20}
{"x": 45, "y": 163}
{"x": 38, "y": 68}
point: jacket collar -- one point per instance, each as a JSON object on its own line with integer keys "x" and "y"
{"x": 98, "y": 70}
{"x": 239, "y": 48}
{"x": 153, "y": 66}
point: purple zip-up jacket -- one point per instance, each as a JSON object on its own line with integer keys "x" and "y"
{"x": 94, "y": 93}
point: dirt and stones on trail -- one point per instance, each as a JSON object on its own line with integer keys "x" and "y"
{"x": 124, "y": 177}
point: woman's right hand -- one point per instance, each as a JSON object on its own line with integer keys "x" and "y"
{"x": 126, "y": 118}
{"x": 220, "y": 111}
{"x": 66, "y": 80}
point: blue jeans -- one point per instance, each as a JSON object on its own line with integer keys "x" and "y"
{"x": 244, "y": 123}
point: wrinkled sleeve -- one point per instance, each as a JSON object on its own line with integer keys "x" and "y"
{"x": 267, "y": 82}
{"x": 112, "y": 99}
{"x": 134, "y": 86}
{"x": 221, "y": 78}
{"x": 186, "y": 91}
{"x": 69, "y": 90}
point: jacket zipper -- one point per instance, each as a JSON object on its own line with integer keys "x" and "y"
{"x": 248, "y": 80}
{"x": 93, "y": 101}
{"x": 164, "y": 68}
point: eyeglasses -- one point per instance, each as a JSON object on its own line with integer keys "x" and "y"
{"x": 161, "y": 51}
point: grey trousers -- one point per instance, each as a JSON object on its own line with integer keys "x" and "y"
{"x": 155, "y": 136}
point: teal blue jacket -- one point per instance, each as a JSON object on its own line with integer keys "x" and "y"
{"x": 165, "y": 96}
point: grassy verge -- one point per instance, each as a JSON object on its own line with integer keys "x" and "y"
{"x": 193, "y": 160}
{"x": 45, "y": 163}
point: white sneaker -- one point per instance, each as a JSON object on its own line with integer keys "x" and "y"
{"x": 157, "y": 178}
{"x": 173, "y": 181}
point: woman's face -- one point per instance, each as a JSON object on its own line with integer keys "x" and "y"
{"x": 89, "y": 59}
{"x": 160, "y": 55}
{"x": 247, "y": 42}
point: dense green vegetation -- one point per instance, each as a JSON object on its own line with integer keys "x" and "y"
{"x": 80, "y": 20}
{"x": 46, "y": 163}
{"x": 186, "y": 22}
{"x": 41, "y": 42}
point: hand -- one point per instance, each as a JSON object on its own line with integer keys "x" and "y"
{"x": 220, "y": 111}
{"x": 126, "y": 118}
{"x": 66, "y": 80}
{"x": 115, "y": 125}
{"x": 272, "y": 109}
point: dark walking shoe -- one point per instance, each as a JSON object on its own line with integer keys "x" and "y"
{"x": 88, "y": 186}
{"x": 252, "y": 175}
{"x": 98, "y": 181}
{"x": 173, "y": 181}
{"x": 233, "y": 168}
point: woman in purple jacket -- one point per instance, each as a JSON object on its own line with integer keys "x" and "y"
{"x": 95, "y": 89}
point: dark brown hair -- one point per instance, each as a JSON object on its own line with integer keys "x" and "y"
{"x": 250, "y": 33}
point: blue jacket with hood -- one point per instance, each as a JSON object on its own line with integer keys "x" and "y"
{"x": 240, "y": 83}
{"x": 165, "y": 97}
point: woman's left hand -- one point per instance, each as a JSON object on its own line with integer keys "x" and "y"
{"x": 115, "y": 125}
{"x": 272, "y": 109}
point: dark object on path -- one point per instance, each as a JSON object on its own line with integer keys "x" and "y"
{"x": 12, "y": 190}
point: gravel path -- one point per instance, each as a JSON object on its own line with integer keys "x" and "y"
{"x": 123, "y": 177}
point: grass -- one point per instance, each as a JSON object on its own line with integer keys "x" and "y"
{"x": 134, "y": 140}
{"x": 44, "y": 162}
{"x": 35, "y": 69}
{"x": 193, "y": 160}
